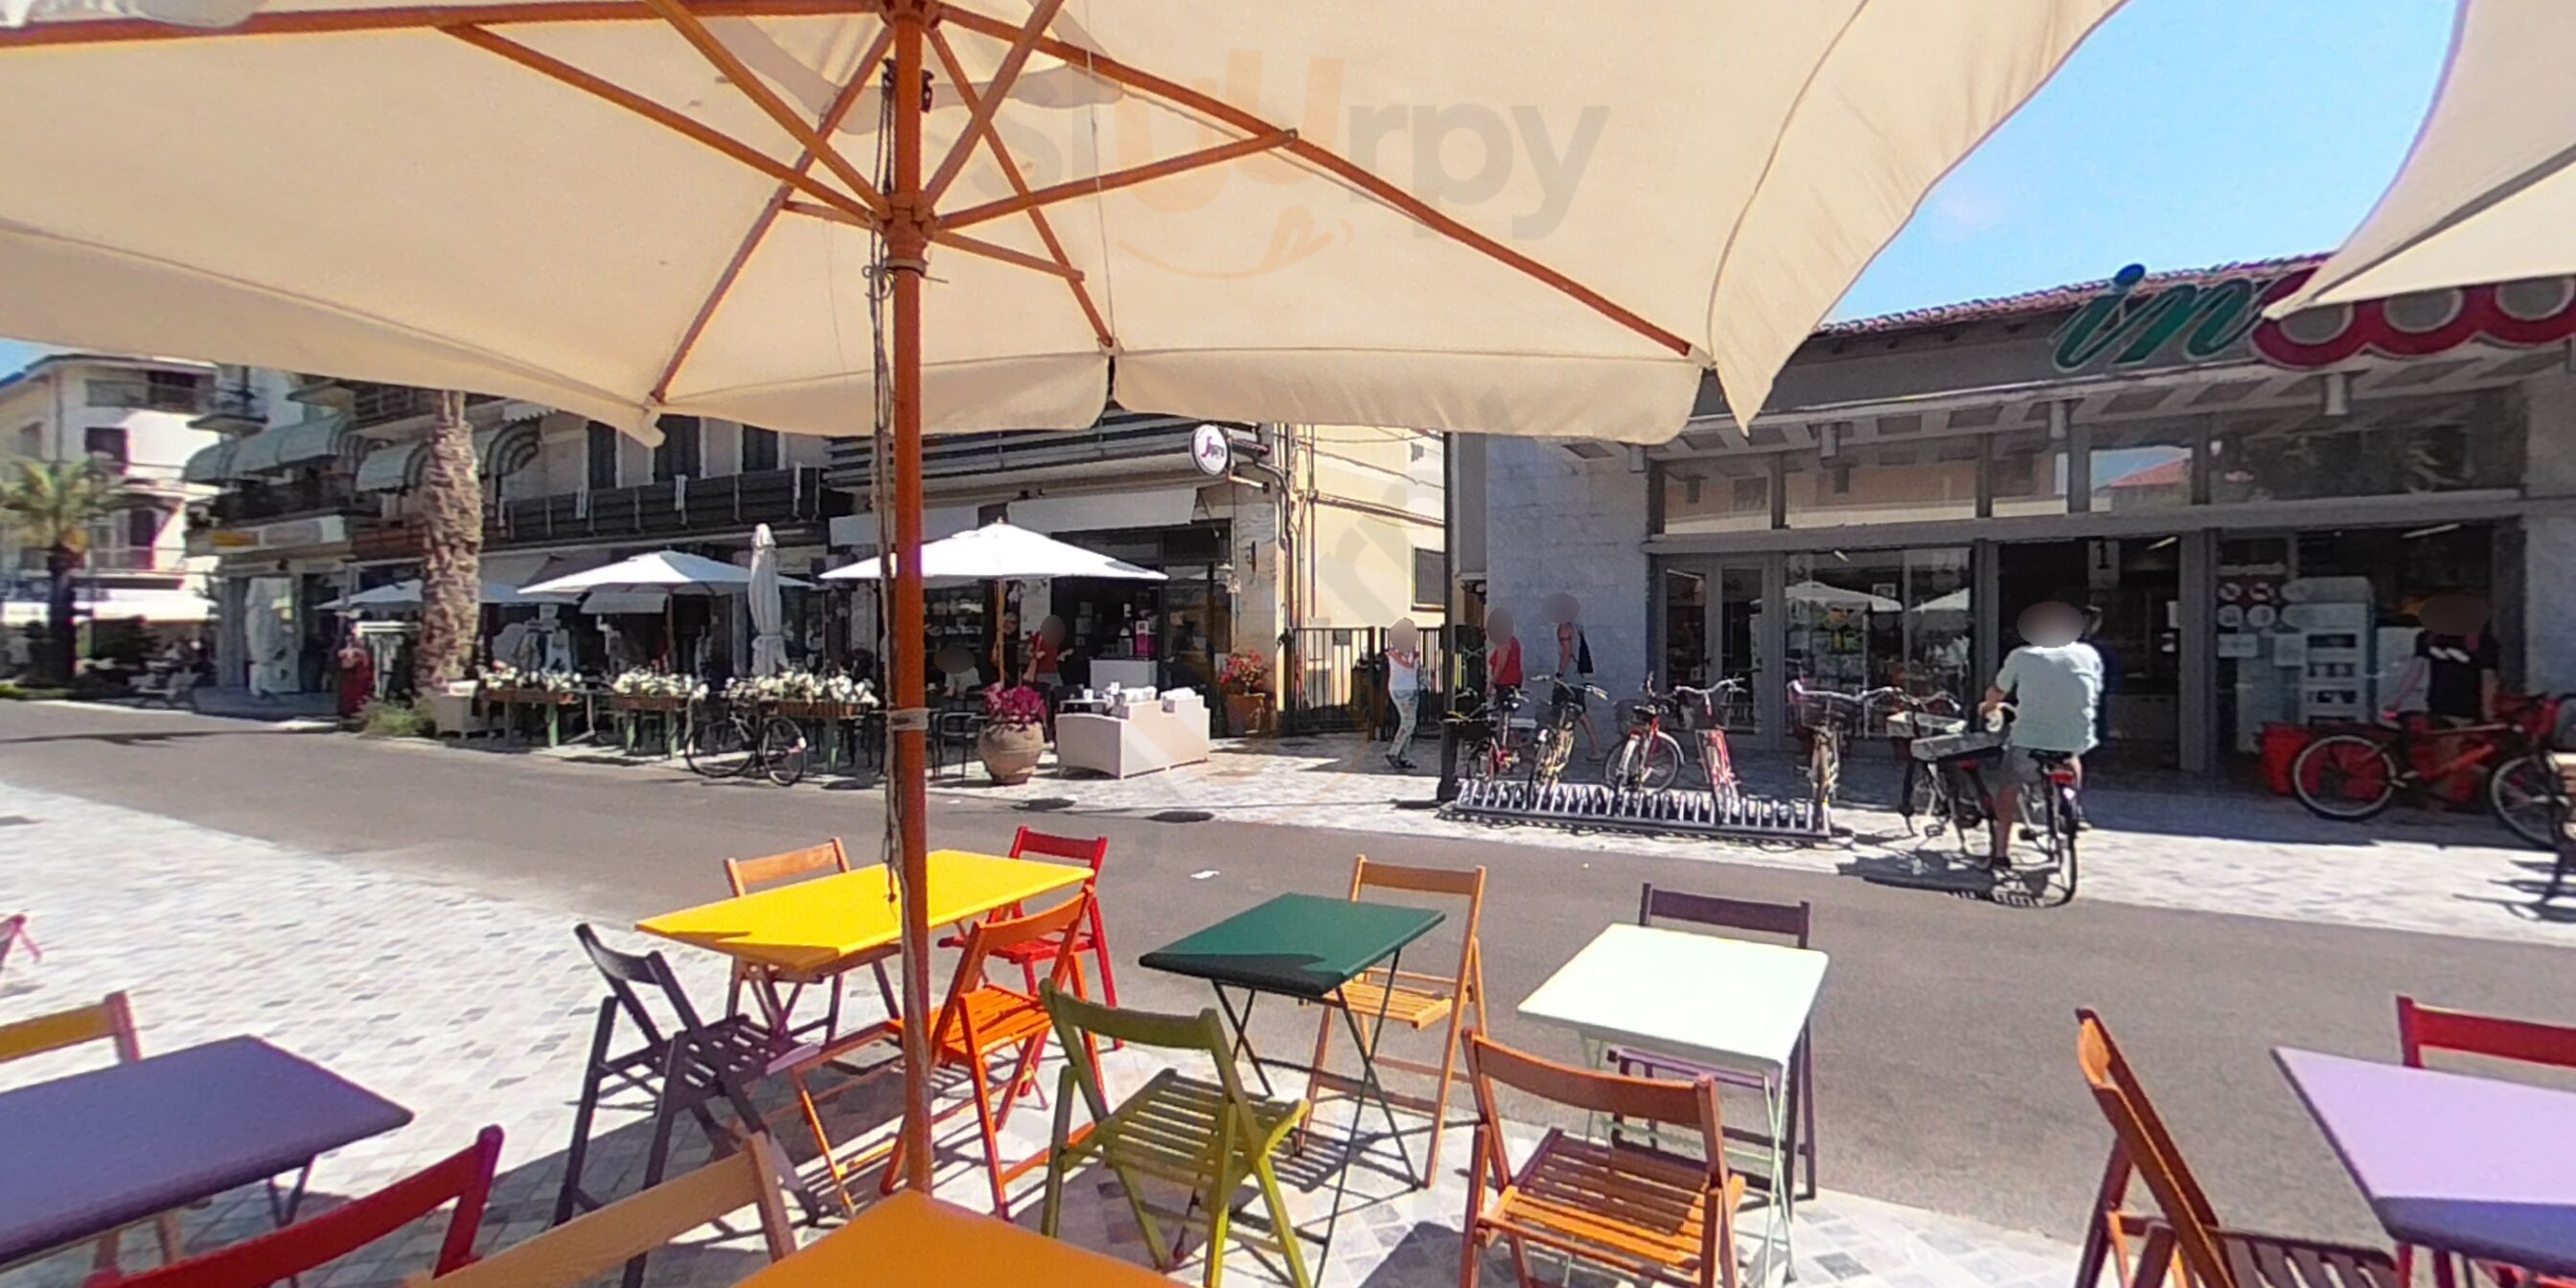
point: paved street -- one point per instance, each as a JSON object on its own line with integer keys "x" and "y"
{"x": 1945, "y": 1035}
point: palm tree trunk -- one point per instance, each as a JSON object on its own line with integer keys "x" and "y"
{"x": 61, "y": 656}
{"x": 451, "y": 592}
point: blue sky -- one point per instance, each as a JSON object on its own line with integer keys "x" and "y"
{"x": 2186, "y": 132}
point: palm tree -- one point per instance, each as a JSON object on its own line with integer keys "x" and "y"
{"x": 451, "y": 590}
{"x": 52, "y": 506}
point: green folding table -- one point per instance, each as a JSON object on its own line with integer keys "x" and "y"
{"x": 1305, "y": 947}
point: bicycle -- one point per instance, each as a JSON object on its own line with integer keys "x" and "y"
{"x": 742, "y": 741}
{"x": 1552, "y": 743}
{"x": 2358, "y": 774}
{"x": 1650, "y": 758}
{"x": 1486, "y": 748}
{"x": 1945, "y": 782}
{"x": 1829, "y": 717}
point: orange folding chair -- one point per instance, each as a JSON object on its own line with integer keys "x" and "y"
{"x": 1413, "y": 999}
{"x": 110, "y": 1021}
{"x": 979, "y": 1022}
{"x": 2183, "y": 1237}
{"x": 2422, "y": 1028}
{"x": 747, "y": 875}
{"x": 1636, "y": 1210}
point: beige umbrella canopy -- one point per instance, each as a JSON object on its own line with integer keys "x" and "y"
{"x": 1507, "y": 217}
{"x": 2488, "y": 194}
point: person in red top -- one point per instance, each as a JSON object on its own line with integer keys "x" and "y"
{"x": 1502, "y": 653}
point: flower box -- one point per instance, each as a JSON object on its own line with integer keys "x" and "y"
{"x": 656, "y": 702}
{"x": 799, "y": 709}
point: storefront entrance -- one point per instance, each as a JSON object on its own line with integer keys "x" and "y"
{"x": 1712, "y": 620}
{"x": 2132, "y": 587}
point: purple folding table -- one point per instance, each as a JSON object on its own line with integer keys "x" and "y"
{"x": 2474, "y": 1166}
{"x": 99, "y": 1151}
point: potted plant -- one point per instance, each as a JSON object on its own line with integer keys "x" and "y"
{"x": 1245, "y": 683}
{"x": 1014, "y": 733}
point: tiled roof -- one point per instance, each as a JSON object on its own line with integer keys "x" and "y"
{"x": 2060, "y": 297}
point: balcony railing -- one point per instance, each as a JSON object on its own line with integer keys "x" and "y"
{"x": 145, "y": 395}
{"x": 669, "y": 509}
{"x": 292, "y": 499}
{"x": 238, "y": 403}
{"x": 126, "y": 559}
{"x": 383, "y": 404}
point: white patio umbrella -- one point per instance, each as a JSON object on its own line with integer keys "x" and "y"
{"x": 1000, "y": 552}
{"x": 666, "y": 572}
{"x": 406, "y": 594}
{"x": 1511, "y": 217}
{"x": 2488, "y": 193}
{"x": 1817, "y": 592}
{"x": 768, "y": 647}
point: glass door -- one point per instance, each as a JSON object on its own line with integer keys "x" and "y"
{"x": 1711, "y": 618}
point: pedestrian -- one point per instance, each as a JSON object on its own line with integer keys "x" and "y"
{"x": 1044, "y": 670}
{"x": 1403, "y": 688}
{"x": 1502, "y": 657}
{"x": 2455, "y": 669}
{"x": 1574, "y": 659}
{"x": 2054, "y": 682}
{"x": 357, "y": 668}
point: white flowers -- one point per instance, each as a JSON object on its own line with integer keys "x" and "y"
{"x": 793, "y": 685}
{"x": 640, "y": 683}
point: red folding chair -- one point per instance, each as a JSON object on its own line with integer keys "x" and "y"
{"x": 464, "y": 1178}
{"x": 1091, "y": 938}
{"x": 2422, "y": 1028}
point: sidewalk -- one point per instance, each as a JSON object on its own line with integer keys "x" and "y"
{"x": 472, "y": 1010}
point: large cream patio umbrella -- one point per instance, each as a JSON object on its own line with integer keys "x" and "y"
{"x": 1508, "y": 217}
{"x": 2488, "y": 193}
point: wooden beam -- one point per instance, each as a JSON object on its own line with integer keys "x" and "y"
{"x": 995, "y": 94}
{"x": 323, "y": 22}
{"x": 970, "y": 245}
{"x": 1117, "y": 179}
{"x": 1110, "y": 69}
{"x": 1020, "y": 186}
{"x": 740, "y": 151}
{"x": 758, "y": 91}
{"x": 837, "y": 112}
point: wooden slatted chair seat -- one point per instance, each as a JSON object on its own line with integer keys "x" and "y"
{"x": 1164, "y": 1129}
{"x": 2273, "y": 1261}
{"x": 1624, "y": 1206}
{"x": 1413, "y": 1005}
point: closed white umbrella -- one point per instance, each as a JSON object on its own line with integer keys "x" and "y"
{"x": 768, "y": 647}
{"x": 2488, "y": 193}
{"x": 1000, "y": 552}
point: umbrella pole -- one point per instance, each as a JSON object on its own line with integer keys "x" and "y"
{"x": 907, "y": 238}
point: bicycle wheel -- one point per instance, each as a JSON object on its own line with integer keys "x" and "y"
{"x": 1824, "y": 765}
{"x": 1627, "y": 765}
{"x": 783, "y": 750}
{"x": 2345, "y": 776}
{"x": 1663, "y": 762}
{"x": 2524, "y": 795}
{"x": 719, "y": 746}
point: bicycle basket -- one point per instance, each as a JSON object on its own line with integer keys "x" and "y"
{"x": 1957, "y": 746}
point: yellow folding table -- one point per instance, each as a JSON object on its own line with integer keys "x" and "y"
{"x": 912, "y": 1239}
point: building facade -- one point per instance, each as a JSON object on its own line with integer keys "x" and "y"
{"x": 2254, "y": 509}
{"x": 133, "y": 417}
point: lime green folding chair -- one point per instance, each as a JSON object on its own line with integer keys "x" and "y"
{"x": 1207, "y": 1136}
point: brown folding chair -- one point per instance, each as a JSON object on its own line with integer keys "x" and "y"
{"x": 747, "y": 875}
{"x": 111, "y": 1021}
{"x": 979, "y": 1021}
{"x": 2422, "y": 1028}
{"x": 2183, "y": 1237}
{"x": 1792, "y": 922}
{"x": 1411, "y": 998}
{"x": 1638, "y": 1211}
{"x": 593, "y": 1243}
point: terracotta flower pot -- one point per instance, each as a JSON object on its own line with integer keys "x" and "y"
{"x": 1247, "y": 715}
{"x": 1011, "y": 754}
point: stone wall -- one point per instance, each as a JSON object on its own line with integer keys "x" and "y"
{"x": 1554, "y": 522}
{"x": 2549, "y": 538}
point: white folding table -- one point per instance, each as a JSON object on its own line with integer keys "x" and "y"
{"x": 1705, "y": 998}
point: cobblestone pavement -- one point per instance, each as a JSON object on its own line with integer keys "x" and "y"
{"x": 2204, "y": 851}
{"x": 473, "y": 1010}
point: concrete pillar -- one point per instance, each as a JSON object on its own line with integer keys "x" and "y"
{"x": 2549, "y": 535}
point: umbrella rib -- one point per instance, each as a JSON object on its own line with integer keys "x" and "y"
{"x": 766, "y": 99}
{"x": 960, "y": 241}
{"x": 1349, "y": 172}
{"x": 1020, "y": 187}
{"x": 557, "y": 69}
{"x": 1127, "y": 178}
{"x": 1040, "y": 14}
{"x": 833, "y": 115}
{"x": 313, "y": 22}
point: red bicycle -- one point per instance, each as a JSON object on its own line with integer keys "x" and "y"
{"x": 2359, "y": 773}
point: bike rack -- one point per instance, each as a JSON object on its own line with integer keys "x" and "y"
{"x": 1739, "y": 816}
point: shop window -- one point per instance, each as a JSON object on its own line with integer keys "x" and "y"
{"x": 106, "y": 445}
{"x": 759, "y": 449}
{"x": 2027, "y": 473}
{"x": 1863, "y": 619}
{"x": 1430, "y": 579}
{"x": 31, "y": 440}
{"x": 142, "y": 527}
{"x": 679, "y": 454}
{"x": 2394, "y": 447}
{"x": 2140, "y": 467}
{"x": 1722, "y": 494}
{"x": 1884, "y": 483}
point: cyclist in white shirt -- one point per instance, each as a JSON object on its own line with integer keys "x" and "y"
{"x": 2055, "y": 685}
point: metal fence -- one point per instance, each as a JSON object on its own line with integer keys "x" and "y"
{"x": 1336, "y": 678}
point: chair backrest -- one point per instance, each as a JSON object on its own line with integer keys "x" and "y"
{"x": 1791, "y": 921}
{"x": 1463, "y": 883}
{"x": 595, "y": 1242}
{"x": 109, "y": 1020}
{"x": 1080, "y": 1023}
{"x": 464, "y": 1178}
{"x": 2422, "y": 1028}
{"x": 985, "y": 938}
{"x": 746, "y": 875}
{"x": 1654, "y": 1100}
{"x": 2142, "y": 1138}
{"x": 1090, "y": 853}
{"x": 624, "y": 971}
